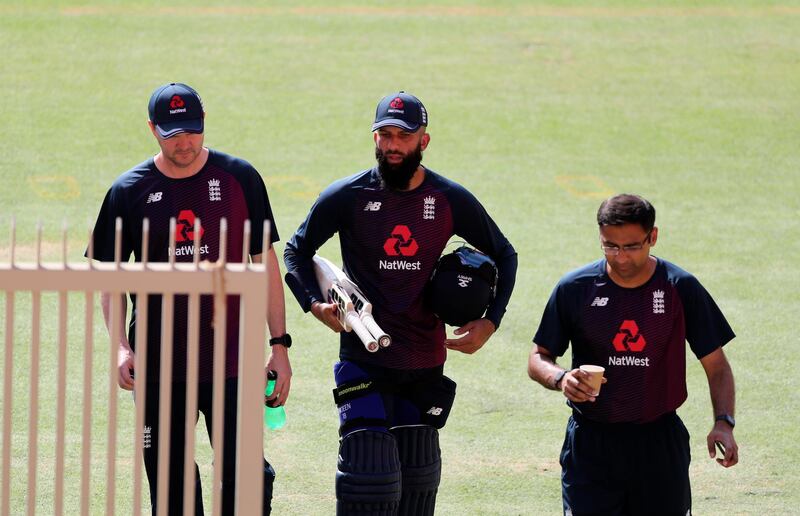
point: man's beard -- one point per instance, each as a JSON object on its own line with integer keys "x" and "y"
{"x": 398, "y": 176}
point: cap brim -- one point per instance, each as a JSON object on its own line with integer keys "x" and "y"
{"x": 183, "y": 126}
{"x": 397, "y": 123}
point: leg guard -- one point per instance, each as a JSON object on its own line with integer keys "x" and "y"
{"x": 358, "y": 399}
{"x": 368, "y": 476}
{"x": 421, "y": 462}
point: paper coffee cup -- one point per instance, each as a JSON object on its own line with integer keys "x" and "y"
{"x": 596, "y": 378}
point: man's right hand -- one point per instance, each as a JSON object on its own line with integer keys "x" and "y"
{"x": 575, "y": 386}
{"x": 328, "y": 314}
{"x": 125, "y": 362}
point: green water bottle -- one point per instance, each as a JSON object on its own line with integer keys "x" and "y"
{"x": 274, "y": 417}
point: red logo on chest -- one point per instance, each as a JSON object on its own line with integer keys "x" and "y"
{"x": 628, "y": 338}
{"x": 184, "y": 227}
{"x": 401, "y": 242}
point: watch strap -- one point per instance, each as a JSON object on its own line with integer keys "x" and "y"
{"x": 284, "y": 340}
{"x": 558, "y": 377}
{"x": 727, "y": 418}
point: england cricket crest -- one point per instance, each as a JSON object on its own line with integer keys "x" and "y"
{"x": 658, "y": 302}
{"x": 214, "y": 190}
{"x": 429, "y": 208}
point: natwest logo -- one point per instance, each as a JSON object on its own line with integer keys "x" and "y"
{"x": 176, "y": 102}
{"x": 184, "y": 229}
{"x": 396, "y": 103}
{"x": 401, "y": 243}
{"x": 628, "y": 338}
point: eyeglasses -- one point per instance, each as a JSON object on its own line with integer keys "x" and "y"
{"x": 613, "y": 250}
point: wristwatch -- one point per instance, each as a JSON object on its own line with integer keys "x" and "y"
{"x": 727, "y": 418}
{"x": 285, "y": 340}
{"x": 558, "y": 378}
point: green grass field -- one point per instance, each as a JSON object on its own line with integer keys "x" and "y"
{"x": 541, "y": 110}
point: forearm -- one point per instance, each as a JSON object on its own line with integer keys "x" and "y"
{"x": 543, "y": 368}
{"x": 722, "y": 389}
{"x": 276, "y": 313}
{"x": 105, "y": 303}
{"x": 506, "y": 278}
{"x": 300, "y": 276}
{"x": 276, "y": 306}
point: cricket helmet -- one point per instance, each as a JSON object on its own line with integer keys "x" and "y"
{"x": 462, "y": 286}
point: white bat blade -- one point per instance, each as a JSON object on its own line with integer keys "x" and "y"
{"x": 330, "y": 276}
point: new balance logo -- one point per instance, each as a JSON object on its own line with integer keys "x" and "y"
{"x": 372, "y": 206}
{"x": 154, "y": 197}
{"x": 435, "y": 411}
{"x": 600, "y": 301}
{"x": 464, "y": 281}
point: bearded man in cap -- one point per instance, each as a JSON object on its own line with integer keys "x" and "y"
{"x": 186, "y": 181}
{"x": 394, "y": 220}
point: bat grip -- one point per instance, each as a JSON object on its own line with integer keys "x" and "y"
{"x": 381, "y": 336}
{"x": 363, "y": 333}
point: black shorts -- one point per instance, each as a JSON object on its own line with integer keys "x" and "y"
{"x": 625, "y": 468}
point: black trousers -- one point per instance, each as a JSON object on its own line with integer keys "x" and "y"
{"x": 177, "y": 446}
{"x": 625, "y": 468}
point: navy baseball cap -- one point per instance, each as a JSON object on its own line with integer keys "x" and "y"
{"x": 400, "y": 109}
{"x": 176, "y": 108}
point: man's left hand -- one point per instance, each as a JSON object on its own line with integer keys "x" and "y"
{"x": 279, "y": 362}
{"x": 723, "y": 433}
{"x": 477, "y": 333}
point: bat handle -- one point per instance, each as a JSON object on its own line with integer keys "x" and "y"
{"x": 363, "y": 333}
{"x": 382, "y": 337}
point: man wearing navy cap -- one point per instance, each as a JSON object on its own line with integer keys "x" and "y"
{"x": 186, "y": 181}
{"x": 394, "y": 220}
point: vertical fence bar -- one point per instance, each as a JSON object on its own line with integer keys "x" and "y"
{"x": 141, "y": 438}
{"x": 33, "y": 420}
{"x": 165, "y": 405}
{"x": 61, "y": 402}
{"x": 220, "y": 346}
{"x": 165, "y": 387}
{"x": 61, "y": 384}
{"x": 115, "y": 314}
{"x": 246, "y": 241}
{"x": 117, "y": 317}
{"x": 250, "y": 429}
{"x": 88, "y": 357}
{"x": 192, "y": 355}
{"x": 8, "y": 385}
{"x": 86, "y": 431}
{"x": 192, "y": 359}
{"x": 8, "y": 396}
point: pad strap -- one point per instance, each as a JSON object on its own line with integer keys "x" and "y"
{"x": 354, "y": 389}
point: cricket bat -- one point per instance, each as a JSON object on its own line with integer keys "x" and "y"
{"x": 355, "y": 310}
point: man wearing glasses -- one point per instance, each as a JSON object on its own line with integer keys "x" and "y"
{"x": 626, "y": 451}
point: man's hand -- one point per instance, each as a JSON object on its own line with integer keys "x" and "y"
{"x": 328, "y": 314}
{"x": 723, "y": 433}
{"x": 125, "y": 362}
{"x": 575, "y": 386}
{"x": 279, "y": 362}
{"x": 477, "y": 333}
